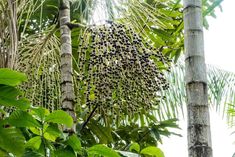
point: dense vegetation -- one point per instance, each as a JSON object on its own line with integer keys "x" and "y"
{"x": 124, "y": 101}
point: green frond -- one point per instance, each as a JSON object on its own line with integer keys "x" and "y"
{"x": 40, "y": 59}
{"x": 220, "y": 91}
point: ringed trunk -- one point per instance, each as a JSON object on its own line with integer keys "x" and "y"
{"x": 199, "y": 136}
{"x": 67, "y": 88}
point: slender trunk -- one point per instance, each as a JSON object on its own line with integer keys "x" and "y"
{"x": 13, "y": 33}
{"x": 199, "y": 136}
{"x": 9, "y": 35}
{"x": 67, "y": 89}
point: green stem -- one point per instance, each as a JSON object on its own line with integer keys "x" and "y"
{"x": 43, "y": 141}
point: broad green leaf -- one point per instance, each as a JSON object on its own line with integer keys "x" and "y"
{"x": 102, "y": 150}
{"x": 35, "y": 130}
{"x": 52, "y": 132}
{"x": 135, "y": 146}
{"x": 40, "y": 113}
{"x": 12, "y": 141}
{"x": 75, "y": 143}
{"x": 34, "y": 143}
{"x": 60, "y": 117}
{"x": 22, "y": 119}
{"x": 153, "y": 151}
{"x": 64, "y": 153}
{"x": 11, "y": 78}
{"x": 9, "y": 96}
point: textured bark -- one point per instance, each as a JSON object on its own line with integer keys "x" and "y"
{"x": 8, "y": 35}
{"x": 67, "y": 89}
{"x": 12, "y": 4}
{"x": 199, "y": 137}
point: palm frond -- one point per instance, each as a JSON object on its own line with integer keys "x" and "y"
{"x": 220, "y": 91}
{"x": 174, "y": 98}
{"x": 40, "y": 59}
{"x": 209, "y": 10}
{"x": 160, "y": 23}
{"x": 82, "y": 10}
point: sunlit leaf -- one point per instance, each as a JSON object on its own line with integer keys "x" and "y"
{"x": 52, "y": 132}
{"x": 40, "y": 113}
{"x": 22, "y": 119}
{"x": 153, "y": 151}
{"x": 34, "y": 143}
{"x": 134, "y": 147}
{"x": 102, "y": 150}
{"x": 60, "y": 117}
{"x": 11, "y": 78}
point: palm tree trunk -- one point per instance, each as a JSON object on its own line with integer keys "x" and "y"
{"x": 67, "y": 89}
{"x": 8, "y": 34}
{"x": 199, "y": 136}
{"x": 12, "y": 4}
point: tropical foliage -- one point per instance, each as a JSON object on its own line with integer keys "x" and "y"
{"x": 35, "y": 131}
{"x": 221, "y": 93}
{"x": 29, "y": 42}
{"x": 38, "y": 42}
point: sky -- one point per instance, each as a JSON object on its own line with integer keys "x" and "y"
{"x": 220, "y": 38}
{"x": 220, "y": 52}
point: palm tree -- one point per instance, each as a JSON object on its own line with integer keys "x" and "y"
{"x": 67, "y": 87}
{"x": 39, "y": 52}
{"x": 199, "y": 136}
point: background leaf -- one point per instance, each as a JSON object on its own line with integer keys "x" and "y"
{"x": 64, "y": 153}
{"x": 4, "y": 154}
{"x": 103, "y": 133}
{"x": 30, "y": 153}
